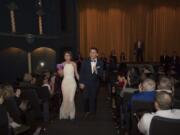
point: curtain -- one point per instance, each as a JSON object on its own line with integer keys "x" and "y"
{"x": 118, "y": 24}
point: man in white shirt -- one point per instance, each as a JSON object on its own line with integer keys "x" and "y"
{"x": 163, "y": 105}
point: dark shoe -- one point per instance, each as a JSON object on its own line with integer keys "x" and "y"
{"x": 87, "y": 115}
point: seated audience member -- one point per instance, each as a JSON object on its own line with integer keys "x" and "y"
{"x": 121, "y": 83}
{"x": 133, "y": 77}
{"x": 120, "y": 87}
{"x": 21, "y": 103}
{"x": 161, "y": 71}
{"x": 14, "y": 114}
{"x": 146, "y": 91}
{"x": 47, "y": 74}
{"x": 46, "y": 83}
{"x": 146, "y": 72}
{"x": 165, "y": 83}
{"x": 163, "y": 104}
{"x": 143, "y": 77}
{"x": 17, "y": 96}
{"x": 26, "y": 80}
{"x": 10, "y": 103}
{"x": 34, "y": 81}
{"x": 4, "y": 125}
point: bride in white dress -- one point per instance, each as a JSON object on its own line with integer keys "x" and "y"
{"x": 69, "y": 71}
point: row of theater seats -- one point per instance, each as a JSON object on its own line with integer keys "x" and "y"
{"x": 126, "y": 116}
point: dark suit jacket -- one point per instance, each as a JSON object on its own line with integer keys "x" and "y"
{"x": 13, "y": 109}
{"x": 4, "y": 126}
{"x": 164, "y": 59}
{"x": 139, "y": 49}
{"x": 86, "y": 76}
{"x": 175, "y": 59}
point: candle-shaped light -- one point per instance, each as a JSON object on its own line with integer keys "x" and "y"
{"x": 29, "y": 62}
{"x": 40, "y": 14}
{"x": 12, "y": 7}
{"x": 40, "y": 25}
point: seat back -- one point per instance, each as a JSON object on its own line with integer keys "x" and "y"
{"x": 4, "y": 126}
{"x": 164, "y": 126}
{"x": 128, "y": 93}
{"x": 177, "y": 93}
{"x": 13, "y": 109}
{"x": 142, "y": 106}
{"x": 137, "y": 111}
{"x": 31, "y": 95}
{"x": 43, "y": 93}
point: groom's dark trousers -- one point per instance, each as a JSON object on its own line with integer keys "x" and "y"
{"x": 91, "y": 82}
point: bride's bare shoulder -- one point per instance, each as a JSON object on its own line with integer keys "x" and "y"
{"x": 73, "y": 63}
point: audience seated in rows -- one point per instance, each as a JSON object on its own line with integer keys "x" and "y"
{"x": 163, "y": 105}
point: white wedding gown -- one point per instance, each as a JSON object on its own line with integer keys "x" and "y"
{"x": 67, "y": 109}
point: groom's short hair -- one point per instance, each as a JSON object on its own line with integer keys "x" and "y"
{"x": 94, "y": 48}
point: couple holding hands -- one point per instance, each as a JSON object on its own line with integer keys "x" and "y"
{"x": 89, "y": 77}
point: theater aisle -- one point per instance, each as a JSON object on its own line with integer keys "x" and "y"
{"x": 101, "y": 125}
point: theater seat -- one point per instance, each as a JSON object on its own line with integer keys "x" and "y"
{"x": 142, "y": 106}
{"x": 164, "y": 126}
{"x": 177, "y": 93}
{"x": 137, "y": 111}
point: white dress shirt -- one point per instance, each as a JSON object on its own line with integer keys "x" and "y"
{"x": 93, "y": 64}
{"x": 139, "y": 45}
{"x": 47, "y": 85}
{"x": 145, "y": 122}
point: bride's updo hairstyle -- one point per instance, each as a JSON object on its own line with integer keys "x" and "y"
{"x": 68, "y": 55}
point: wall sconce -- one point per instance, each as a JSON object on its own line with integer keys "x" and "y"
{"x": 12, "y": 7}
{"x": 42, "y": 64}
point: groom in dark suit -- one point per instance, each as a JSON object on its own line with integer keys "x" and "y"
{"x": 90, "y": 74}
